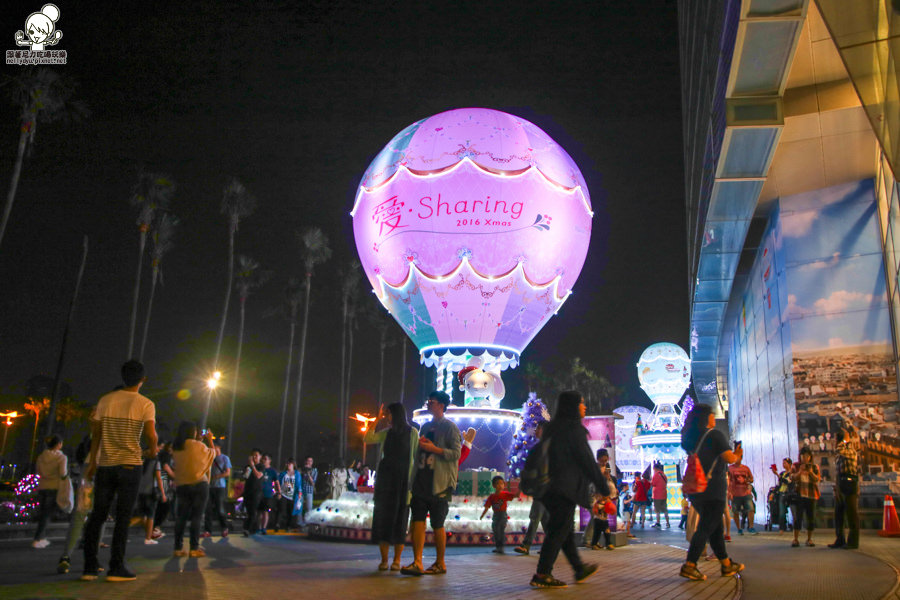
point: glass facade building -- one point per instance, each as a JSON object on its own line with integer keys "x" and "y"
{"x": 792, "y": 145}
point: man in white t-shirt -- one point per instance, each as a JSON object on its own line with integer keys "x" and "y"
{"x": 119, "y": 422}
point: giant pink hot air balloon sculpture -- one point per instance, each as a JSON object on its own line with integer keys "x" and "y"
{"x": 472, "y": 226}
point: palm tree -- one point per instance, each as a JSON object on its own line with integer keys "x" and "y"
{"x": 43, "y": 96}
{"x": 249, "y": 277}
{"x": 69, "y": 410}
{"x": 374, "y": 314}
{"x": 293, "y": 294}
{"x": 349, "y": 291}
{"x": 36, "y": 406}
{"x": 152, "y": 192}
{"x": 315, "y": 251}
{"x": 237, "y": 203}
{"x": 161, "y": 242}
{"x": 403, "y": 343}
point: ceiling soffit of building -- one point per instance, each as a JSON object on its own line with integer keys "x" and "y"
{"x": 766, "y": 40}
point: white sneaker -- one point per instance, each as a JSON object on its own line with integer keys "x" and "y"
{"x": 40, "y": 543}
{"x": 150, "y": 542}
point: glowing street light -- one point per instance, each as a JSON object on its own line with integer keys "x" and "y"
{"x": 8, "y": 422}
{"x": 213, "y": 382}
{"x": 364, "y": 427}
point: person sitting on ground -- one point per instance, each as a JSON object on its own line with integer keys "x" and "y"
{"x": 498, "y": 502}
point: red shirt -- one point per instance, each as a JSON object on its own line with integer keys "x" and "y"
{"x": 497, "y": 500}
{"x": 739, "y": 479}
{"x": 659, "y": 484}
{"x": 641, "y": 487}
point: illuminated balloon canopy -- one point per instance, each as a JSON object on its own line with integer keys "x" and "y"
{"x": 472, "y": 226}
{"x": 664, "y": 371}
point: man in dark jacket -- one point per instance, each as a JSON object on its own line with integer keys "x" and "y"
{"x": 572, "y": 471}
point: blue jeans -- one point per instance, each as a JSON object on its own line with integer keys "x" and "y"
{"x": 120, "y": 482}
{"x": 191, "y": 503}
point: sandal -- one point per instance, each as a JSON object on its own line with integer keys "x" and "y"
{"x": 383, "y": 566}
{"x": 395, "y": 566}
{"x": 412, "y": 569}
{"x": 435, "y": 569}
{"x": 810, "y": 543}
{"x": 795, "y": 544}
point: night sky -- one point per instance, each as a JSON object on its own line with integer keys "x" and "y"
{"x": 295, "y": 102}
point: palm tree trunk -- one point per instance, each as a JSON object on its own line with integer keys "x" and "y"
{"x": 237, "y": 372}
{"x": 347, "y": 388}
{"x": 153, "y": 280}
{"x": 403, "y": 370}
{"x": 300, "y": 361}
{"x": 287, "y": 386}
{"x": 221, "y": 334}
{"x": 381, "y": 368}
{"x": 137, "y": 291}
{"x": 343, "y": 380}
{"x": 54, "y": 395}
{"x": 14, "y": 182}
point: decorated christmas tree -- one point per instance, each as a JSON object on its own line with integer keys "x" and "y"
{"x": 534, "y": 412}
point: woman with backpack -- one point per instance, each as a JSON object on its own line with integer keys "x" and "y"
{"x": 572, "y": 468}
{"x": 700, "y": 437}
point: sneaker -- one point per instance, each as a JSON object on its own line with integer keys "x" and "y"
{"x": 198, "y": 553}
{"x": 90, "y": 575}
{"x": 584, "y": 572}
{"x": 692, "y": 573}
{"x": 157, "y": 534}
{"x": 727, "y": 538}
{"x": 180, "y": 553}
{"x": 521, "y": 550}
{"x": 733, "y": 569}
{"x": 40, "y": 543}
{"x": 206, "y": 534}
{"x": 63, "y": 566}
{"x": 752, "y": 531}
{"x": 596, "y": 547}
{"x": 610, "y": 547}
{"x": 547, "y": 581}
{"x": 150, "y": 542}
{"x": 120, "y": 574}
{"x": 740, "y": 532}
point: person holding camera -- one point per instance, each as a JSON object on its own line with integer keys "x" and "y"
{"x": 193, "y": 460}
{"x": 740, "y": 478}
{"x": 846, "y": 490}
{"x": 805, "y": 476}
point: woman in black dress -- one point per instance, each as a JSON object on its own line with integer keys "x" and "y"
{"x": 399, "y": 443}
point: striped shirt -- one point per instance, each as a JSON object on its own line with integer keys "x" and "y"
{"x": 122, "y": 415}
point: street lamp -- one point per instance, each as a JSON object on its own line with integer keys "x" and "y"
{"x": 213, "y": 381}
{"x": 8, "y": 422}
{"x": 365, "y": 420}
{"x": 211, "y": 384}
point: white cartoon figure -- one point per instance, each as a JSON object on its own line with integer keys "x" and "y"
{"x": 40, "y": 29}
{"x": 482, "y": 388}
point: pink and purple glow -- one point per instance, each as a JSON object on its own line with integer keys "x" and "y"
{"x": 472, "y": 226}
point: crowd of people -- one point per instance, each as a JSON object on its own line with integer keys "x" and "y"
{"x": 417, "y": 472}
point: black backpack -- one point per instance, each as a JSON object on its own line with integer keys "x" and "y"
{"x": 535, "y": 480}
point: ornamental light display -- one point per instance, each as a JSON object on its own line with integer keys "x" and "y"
{"x": 472, "y": 226}
{"x": 664, "y": 371}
